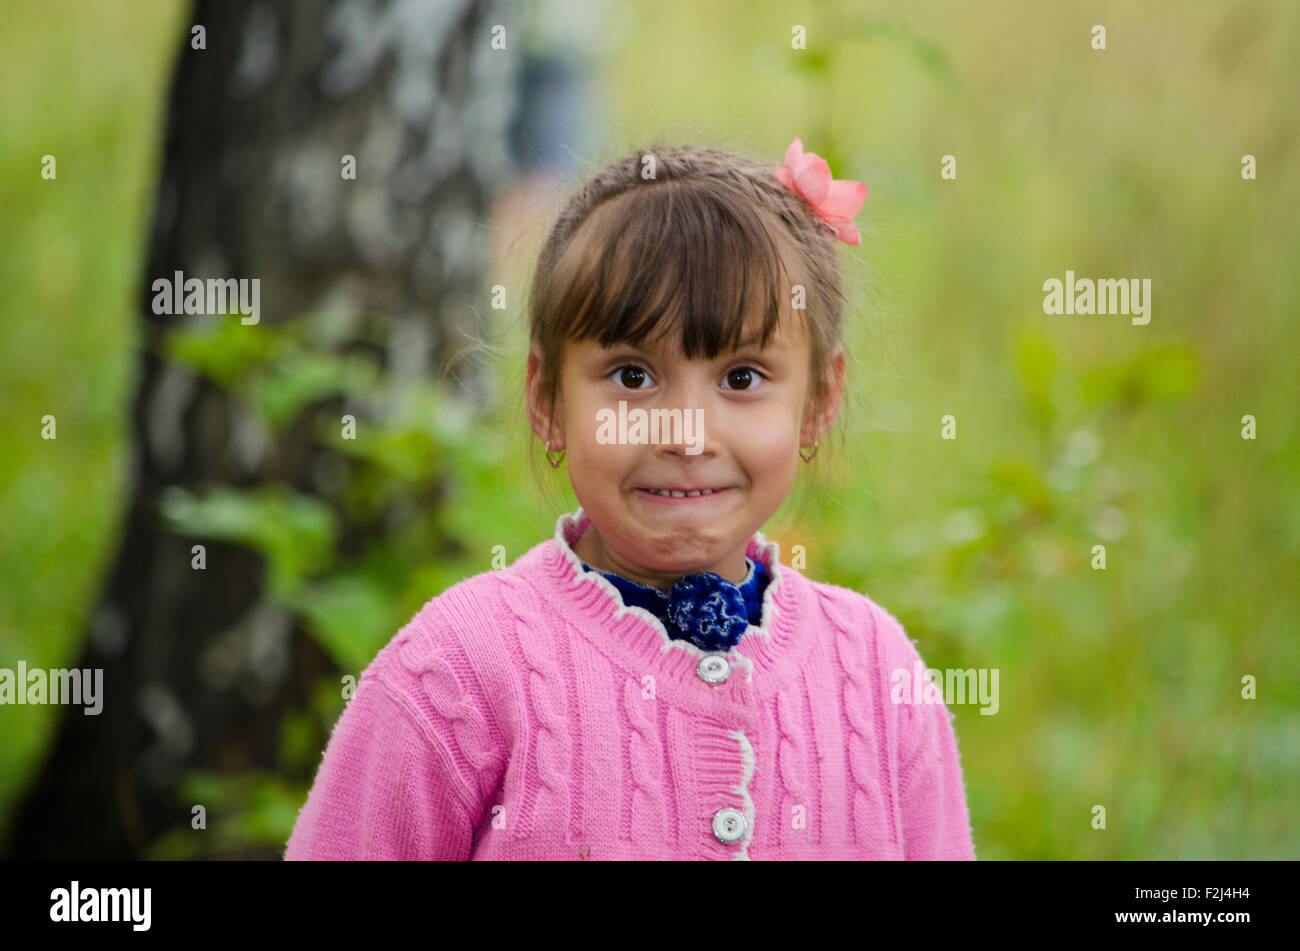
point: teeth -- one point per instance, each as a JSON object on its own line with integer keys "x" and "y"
{"x": 681, "y": 495}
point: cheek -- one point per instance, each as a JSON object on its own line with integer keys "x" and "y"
{"x": 764, "y": 440}
{"x": 597, "y": 461}
{"x": 580, "y": 426}
{"x": 768, "y": 464}
{"x": 605, "y": 466}
{"x": 767, "y": 449}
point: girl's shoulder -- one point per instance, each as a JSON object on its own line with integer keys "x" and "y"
{"x": 857, "y": 617}
{"x": 449, "y": 668}
{"x": 455, "y": 648}
{"x": 459, "y": 622}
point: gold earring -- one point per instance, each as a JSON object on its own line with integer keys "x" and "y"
{"x": 555, "y": 463}
{"x": 808, "y": 458}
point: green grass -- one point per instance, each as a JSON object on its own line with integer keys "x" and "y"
{"x": 83, "y": 82}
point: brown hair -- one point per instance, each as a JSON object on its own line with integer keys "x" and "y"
{"x": 701, "y": 236}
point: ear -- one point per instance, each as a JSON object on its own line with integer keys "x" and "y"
{"x": 541, "y": 415}
{"x": 819, "y": 419}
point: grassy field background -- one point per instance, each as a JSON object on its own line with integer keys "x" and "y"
{"x": 1120, "y": 687}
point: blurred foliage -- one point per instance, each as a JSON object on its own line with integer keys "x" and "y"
{"x": 248, "y": 813}
{"x": 294, "y": 532}
{"x": 414, "y": 450}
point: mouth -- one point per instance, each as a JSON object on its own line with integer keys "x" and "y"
{"x": 682, "y": 495}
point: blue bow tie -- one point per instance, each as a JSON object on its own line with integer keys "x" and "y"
{"x": 703, "y": 608}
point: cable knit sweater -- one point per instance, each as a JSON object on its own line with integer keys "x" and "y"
{"x": 527, "y": 713}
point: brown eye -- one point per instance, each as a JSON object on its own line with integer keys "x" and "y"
{"x": 743, "y": 378}
{"x": 630, "y": 376}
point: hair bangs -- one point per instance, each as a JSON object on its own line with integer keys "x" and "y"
{"x": 676, "y": 255}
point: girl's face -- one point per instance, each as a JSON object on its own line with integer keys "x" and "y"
{"x": 755, "y": 417}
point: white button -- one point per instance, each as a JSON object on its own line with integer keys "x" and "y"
{"x": 714, "y": 669}
{"x": 729, "y": 826}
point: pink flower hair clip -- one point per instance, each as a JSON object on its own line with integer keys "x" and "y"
{"x": 836, "y": 202}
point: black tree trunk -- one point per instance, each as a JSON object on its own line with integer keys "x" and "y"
{"x": 258, "y": 124}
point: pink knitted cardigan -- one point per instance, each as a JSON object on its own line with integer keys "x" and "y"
{"x": 526, "y": 713}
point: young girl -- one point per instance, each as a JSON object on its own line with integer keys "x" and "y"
{"x": 652, "y": 682}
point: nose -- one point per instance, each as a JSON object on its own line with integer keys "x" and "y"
{"x": 683, "y": 427}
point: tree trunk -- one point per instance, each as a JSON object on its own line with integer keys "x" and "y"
{"x": 258, "y": 125}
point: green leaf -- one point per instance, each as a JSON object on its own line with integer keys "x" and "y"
{"x": 302, "y": 378}
{"x": 1038, "y": 366}
{"x": 241, "y": 811}
{"x": 1020, "y": 480}
{"x": 1161, "y": 374}
{"x": 810, "y": 61}
{"x": 295, "y": 532}
{"x": 224, "y": 354}
{"x": 350, "y": 615}
{"x": 424, "y": 429}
